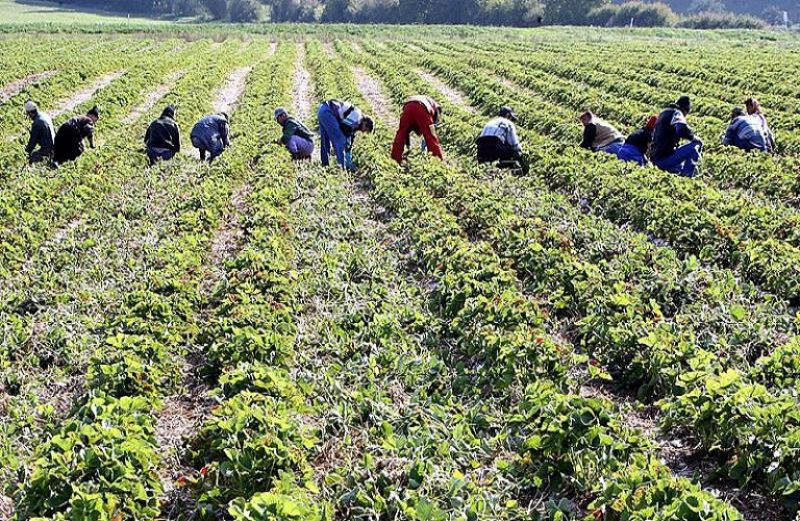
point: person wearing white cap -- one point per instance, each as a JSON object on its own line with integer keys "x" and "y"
{"x": 297, "y": 138}
{"x": 42, "y": 135}
{"x": 498, "y": 141}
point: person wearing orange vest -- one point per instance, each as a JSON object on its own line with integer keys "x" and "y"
{"x": 599, "y": 135}
{"x": 420, "y": 115}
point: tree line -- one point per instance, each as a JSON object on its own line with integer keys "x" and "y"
{"x": 520, "y": 13}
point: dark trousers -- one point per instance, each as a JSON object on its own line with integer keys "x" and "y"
{"x": 159, "y": 154}
{"x": 492, "y": 148}
{"x": 41, "y": 155}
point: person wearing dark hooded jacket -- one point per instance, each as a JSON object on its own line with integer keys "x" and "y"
{"x": 666, "y": 151}
{"x": 163, "y": 138}
{"x": 68, "y": 144}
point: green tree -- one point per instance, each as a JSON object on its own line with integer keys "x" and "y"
{"x": 570, "y": 12}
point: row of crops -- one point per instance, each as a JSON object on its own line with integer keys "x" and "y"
{"x": 262, "y": 340}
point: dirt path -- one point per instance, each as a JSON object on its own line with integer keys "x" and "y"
{"x": 229, "y": 94}
{"x": 17, "y": 86}
{"x": 302, "y": 86}
{"x": 454, "y": 96}
{"x": 153, "y": 97}
{"x": 371, "y": 89}
{"x": 184, "y": 413}
{"x": 85, "y": 95}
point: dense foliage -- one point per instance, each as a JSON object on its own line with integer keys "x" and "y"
{"x": 518, "y": 13}
{"x": 258, "y": 339}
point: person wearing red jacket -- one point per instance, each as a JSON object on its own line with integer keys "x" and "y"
{"x": 420, "y": 115}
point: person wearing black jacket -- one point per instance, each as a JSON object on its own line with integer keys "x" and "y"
{"x": 68, "y": 144}
{"x": 163, "y": 138}
{"x": 666, "y": 151}
{"x": 636, "y": 145}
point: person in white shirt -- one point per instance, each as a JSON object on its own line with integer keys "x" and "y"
{"x": 498, "y": 140}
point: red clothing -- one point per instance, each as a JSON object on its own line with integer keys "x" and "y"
{"x": 418, "y": 118}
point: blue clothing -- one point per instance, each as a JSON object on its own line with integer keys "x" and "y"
{"x": 211, "y": 134}
{"x": 683, "y": 161}
{"x": 631, "y": 153}
{"x": 331, "y": 133}
{"x": 159, "y": 154}
{"x": 611, "y": 148}
{"x": 746, "y": 133}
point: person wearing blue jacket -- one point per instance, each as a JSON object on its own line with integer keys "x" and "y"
{"x": 666, "y": 151}
{"x": 745, "y": 132}
{"x": 211, "y": 135}
{"x": 338, "y": 123}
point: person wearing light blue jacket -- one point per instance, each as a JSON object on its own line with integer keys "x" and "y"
{"x": 745, "y": 132}
{"x": 338, "y": 123}
{"x": 211, "y": 135}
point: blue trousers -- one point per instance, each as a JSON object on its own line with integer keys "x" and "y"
{"x": 611, "y": 148}
{"x": 330, "y": 133}
{"x": 159, "y": 154}
{"x": 632, "y": 154}
{"x": 683, "y": 161}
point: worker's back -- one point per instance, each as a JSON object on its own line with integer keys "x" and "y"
{"x": 163, "y": 133}
{"x": 665, "y": 138}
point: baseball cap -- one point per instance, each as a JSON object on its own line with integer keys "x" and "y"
{"x": 30, "y": 106}
{"x": 280, "y": 111}
{"x": 506, "y": 112}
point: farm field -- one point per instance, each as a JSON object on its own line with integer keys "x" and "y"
{"x": 266, "y": 340}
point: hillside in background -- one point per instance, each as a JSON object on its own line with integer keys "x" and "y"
{"x": 703, "y": 14}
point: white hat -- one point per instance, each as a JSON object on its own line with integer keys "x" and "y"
{"x": 30, "y": 106}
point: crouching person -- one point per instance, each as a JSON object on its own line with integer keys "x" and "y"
{"x": 666, "y": 152}
{"x": 636, "y": 145}
{"x": 42, "y": 135}
{"x": 211, "y": 135}
{"x": 163, "y": 138}
{"x": 600, "y": 135}
{"x": 68, "y": 143}
{"x": 745, "y": 132}
{"x": 498, "y": 140}
{"x": 297, "y": 138}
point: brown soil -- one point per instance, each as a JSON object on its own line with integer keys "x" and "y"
{"x": 86, "y": 94}
{"x": 302, "y": 86}
{"x": 454, "y": 96}
{"x": 152, "y": 98}
{"x": 229, "y": 94}
{"x": 371, "y": 90}
{"x": 17, "y": 86}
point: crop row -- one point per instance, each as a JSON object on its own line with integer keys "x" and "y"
{"x": 34, "y": 205}
{"x": 573, "y": 85}
{"x": 563, "y": 442}
{"x": 103, "y": 460}
{"x": 693, "y": 218}
{"x": 627, "y": 331}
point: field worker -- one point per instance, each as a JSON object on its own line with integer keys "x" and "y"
{"x": 754, "y": 109}
{"x": 498, "y": 140}
{"x": 68, "y": 143}
{"x": 420, "y": 115}
{"x": 671, "y": 127}
{"x": 636, "y": 145}
{"x": 163, "y": 139}
{"x": 338, "y": 123}
{"x": 745, "y": 132}
{"x": 42, "y": 135}
{"x": 211, "y": 135}
{"x": 599, "y": 135}
{"x": 297, "y": 138}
